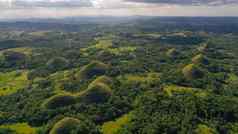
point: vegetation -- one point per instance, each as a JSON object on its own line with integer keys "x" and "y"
{"x": 69, "y": 125}
{"x": 11, "y": 82}
{"x": 173, "y": 53}
{"x": 203, "y": 129}
{"x": 113, "y": 127}
{"x": 150, "y": 76}
{"x": 200, "y": 59}
{"x": 192, "y": 71}
{"x": 95, "y": 68}
{"x": 96, "y": 93}
{"x": 59, "y": 101}
{"x": 170, "y": 90}
{"x": 57, "y": 64}
{"x": 102, "y": 79}
{"x": 19, "y": 128}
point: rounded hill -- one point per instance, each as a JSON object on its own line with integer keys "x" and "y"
{"x": 94, "y": 68}
{"x": 172, "y": 53}
{"x": 96, "y": 93}
{"x": 67, "y": 125}
{"x": 61, "y": 100}
{"x": 102, "y": 79}
{"x": 192, "y": 71}
{"x": 200, "y": 59}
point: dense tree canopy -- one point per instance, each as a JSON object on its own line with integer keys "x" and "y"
{"x": 137, "y": 78}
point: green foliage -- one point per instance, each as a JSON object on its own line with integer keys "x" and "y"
{"x": 60, "y": 78}
{"x": 31, "y": 75}
{"x": 95, "y": 68}
{"x": 171, "y": 90}
{"x": 144, "y": 81}
{"x": 147, "y": 71}
{"x": 232, "y": 86}
{"x": 57, "y": 64}
{"x": 14, "y": 59}
{"x": 200, "y": 59}
{"x": 19, "y": 128}
{"x": 11, "y": 82}
{"x": 204, "y": 47}
{"x": 156, "y": 113}
{"x": 25, "y": 50}
{"x": 69, "y": 126}
{"x": 113, "y": 127}
{"x": 106, "y": 46}
{"x": 231, "y": 128}
{"x": 96, "y": 93}
{"x": 102, "y": 79}
{"x": 204, "y": 129}
{"x": 60, "y": 100}
{"x": 173, "y": 53}
{"x": 192, "y": 71}
{"x": 6, "y": 131}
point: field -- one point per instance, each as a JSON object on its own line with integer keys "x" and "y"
{"x": 20, "y": 128}
{"x": 13, "y": 81}
{"x": 113, "y": 127}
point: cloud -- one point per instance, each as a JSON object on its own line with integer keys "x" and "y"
{"x": 44, "y": 3}
{"x": 11, "y": 9}
{"x": 99, "y": 4}
{"x": 188, "y": 2}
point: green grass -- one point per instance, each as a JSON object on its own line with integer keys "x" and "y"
{"x": 102, "y": 44}
{"x": 173, "y": 89}
{"x": 144, "y": 80}
{"x": 112, "y": 127}
{"x": 121, "y": 50}
{"x": 94, "y": 68}
{"x": 232, "y": 78}
{"x": 39, "y": 33}
{"x": 20, "y": 128}
{"x": 106, "y": 45}
{"x": 67, "y": 125}
{"x": 154, "y": 35}
{"x": 11, "y": 82}
{"x": 59, "y": 100}
{"x": 59, "y": 77}
{"x": 95, "y": 93}
{"x": 102, "y": 79}
{"x": 172, "y": 53}
{"x": 192, "y": 71}
{"x": 200, "y": 59}
{"x": 24, "y": 50}
{"x": 204, "y": 129}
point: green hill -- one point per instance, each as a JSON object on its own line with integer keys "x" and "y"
{"x": 96, "y": 93}
{"x": 60, "y": 100}
{"x": 95, "y": 68}
{"x": 66, "y": 126}
{"x": 200, "y": 59}
{"x": 192, "y": 71}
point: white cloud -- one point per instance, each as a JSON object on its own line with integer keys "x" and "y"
{"x": 44, "y": 3}
{"x": 64, "y": 8}
{"x": 189, "y": 2}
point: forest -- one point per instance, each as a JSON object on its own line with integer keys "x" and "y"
{"x": 139, "y": 76}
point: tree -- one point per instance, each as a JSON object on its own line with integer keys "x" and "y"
{"x": 57, "y": 64}
{"x": 14, "y": 59}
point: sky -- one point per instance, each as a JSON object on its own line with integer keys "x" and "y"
{"x": 11, "y": 9}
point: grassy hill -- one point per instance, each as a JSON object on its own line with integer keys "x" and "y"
{"x": 143, "y": 77}
{"x": 11, "y": 82}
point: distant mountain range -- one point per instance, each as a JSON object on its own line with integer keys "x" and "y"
{"x": 82, "y": 19}
{"x": 156, "y": 24}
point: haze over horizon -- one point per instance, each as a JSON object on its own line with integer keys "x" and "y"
{"x": 14, "y": 9}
